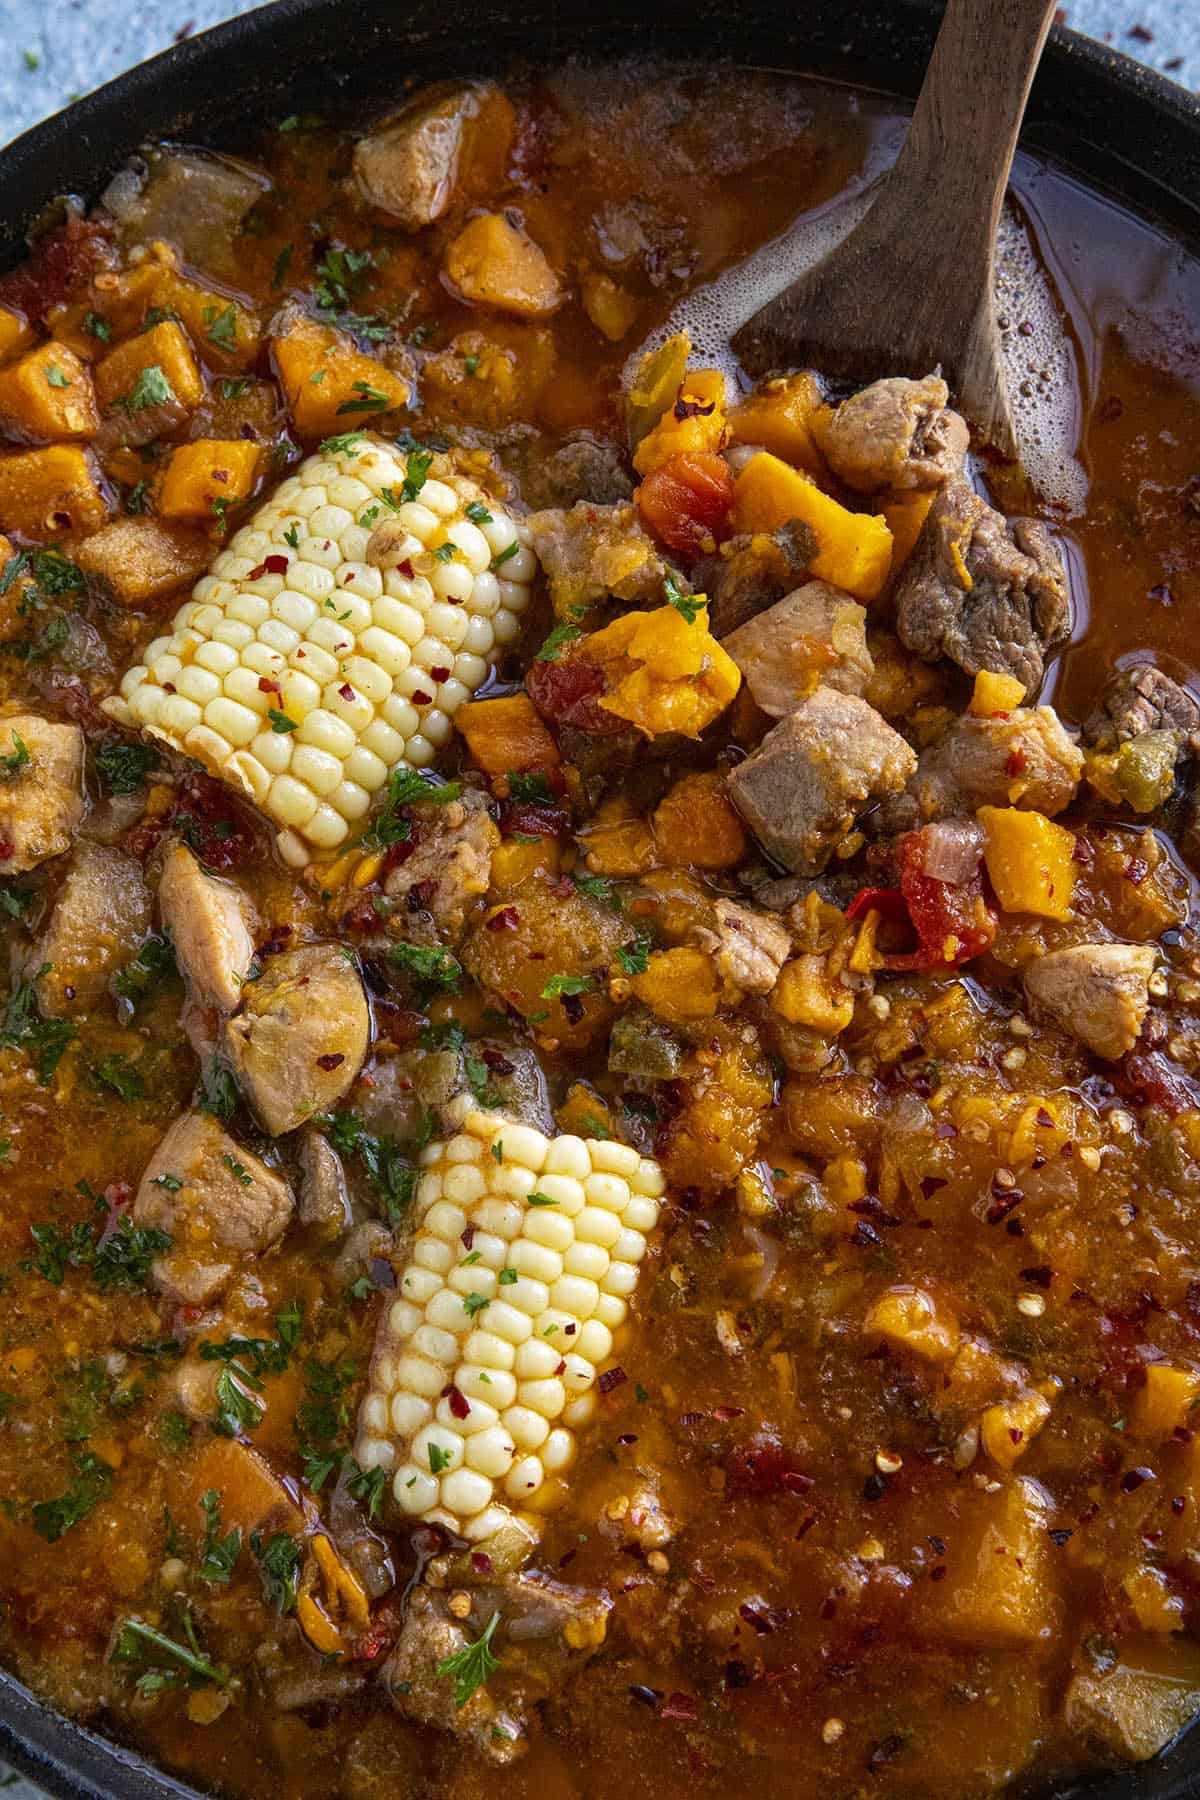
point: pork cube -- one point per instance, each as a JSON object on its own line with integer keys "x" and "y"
{"x": 324, "y": 1203}
{"x": 749, "y": 948}
{"x": 896, "y": 434}
{"x": 209, "y": 921}
{"x": 1098, "y": 992}
{"x": 1023, "y": 759}
{"x": 592, "y": 552}
{"x": 448, "y": 870}
{"x": 299, "y": 1041}
{"x": 217, "y": 1202}
{"x": 986, "y": 591}
{"x": 429, "y": 1637}
{"x": 141, "y": 562}
{"x": 408, "y": 164}
{"x": 1134, "y": 1710}
{"x": 1143, "y": 699}
{"x": 100, "y": 915}
{"x": 802, "y": 789}
{"x": 41, "y": 790}
{"x": 586, "y": 468}
{"x": 752, "y": 571}
{"x": 815, "y": 634}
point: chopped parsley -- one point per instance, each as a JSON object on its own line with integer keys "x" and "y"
{"x": 123, "y": 768}
{"x": 55, "y": 377}
{"x": 98, "y": 327}
{"x": 219, "y": 1093}
{"x": 52, "y": 1519}
{"x": 688, "y": 605}
{"x": 280, "y": 723}
{"x": 634, "y": 958}
{"x": 18, "y": 757}
{"x": 472, "y": 1304}
{"x": 150, "y": 389}
{"x": 391, "y": 1175}
{"x": 439, "y": 1459}
{"x": 135, "y": 1640}
{"x": 559, "y": 638}
{"x": 503, "y": 556}
{"x": 598, "y": 887}
{"x": 238, "y": 1409}
{"x": 406, "y": 787}
{"x": 416, "y": 473}
{"x": 222, "y": 326}
{"x": 279, "y": 1566}
{"x": 238, "y": 1170}
{"x": 347, "y": 444}
{"x": 538, "y": 1199}
{"x": 369, "y": 1486}
{"x": 282, "y": 262}
{"x": 321, "y": 1418}
{"x": 154, "y": 962}
{"x": 530, "y": 784}
{"x": 560, "y": 985}
{"x": 369, "y": 399}
{"x": 121, "y": 1075}
{"x": 478, "y": 513}
{"x": 44, "y": 1041}
{"x": 15, "y": 901}
{"x": 219, "y": 1556}
{"x": 340, "y": 274}
{"x": 472, "y": 1666}
{"x": 428, "y": 963}
{"x": 291, "y": 537}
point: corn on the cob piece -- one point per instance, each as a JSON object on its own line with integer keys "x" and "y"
{"x": 525, "y": 1256}
{"x": 335, "y": 636}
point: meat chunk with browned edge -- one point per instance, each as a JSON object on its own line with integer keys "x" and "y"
{"x": 41, "y": 790}
{"x": 1143, "y": 699}
{"x": 1024, "y": 758}
{"x": 752, "y": 571}
{"x": 217, "y": 1202}
{"x": 408, "y": 164}
{"x": 210, "y": 925}
{"x": 896, "y": 434}
{"x": 986, "y": 591}
{"x": 590, "y": 553}
{"x": 748, "y": 947}
{"x": 585, "y": 468}
{"x": 324, "y": 1202}
{"x": 300, "y": 1039}
{"x": 815, "y": 634}
{"x": 100, "y": 915}
{"x": 802, "y": 789}
{"x": 447, "y": 867}
{"x": 1100, "y": 993}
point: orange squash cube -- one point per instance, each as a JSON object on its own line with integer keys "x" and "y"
{"x": 506, "y": 734}
{"x": 330, "y": 386}
{"x": 906, "y": 517}
{"x": 854, "y": 550}
{"x": 779, "y": 416}
{"x": 48, "y": 393}
{"x": 696, "y": 826}
{"x": 224, "y": 333}
{"x": 492, "y": 263}
{"x": 150, "y": 370}
{"x": 46, "y": 492}
{"x": 202, "y": 477}
{"x": 15, "y": 333}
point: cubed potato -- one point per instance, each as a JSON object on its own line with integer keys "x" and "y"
{"x": 224, "y": 332}
{"x": 330, "y": 386}
{"x": 1133, "y": 1711}
{"x": 1164, "y": 1404}
{"x": 48, "y": 394}
{"x": 15, "y": 333}
{"x": 854, "y": 550}
{"x": 46, "y": 492}
{"x": 1000, "y": 1590}
{"x": 142, "y": 562}
{"x": 1030, "y": 861}
{"x": 493, "y": 263}
{"x": 911, "y": 1319}
{"x": 778, "y": 416}
{"x": 153, "y": 369}
{"x": 200, "y": 477}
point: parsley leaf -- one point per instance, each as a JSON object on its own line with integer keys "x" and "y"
{"x": 52, "y": 1519}
{"x": 18, "y": 758}
{"x": 559, "y": 985}
{"x": 556, "y": 643}
{"x": 154, "y": 962}
{"x": 220, "y": 1554}
{"x": 279, "y": 1565}
{"x": 123, "y": 768}
{"x": 634, "y": 958}
{"x": 689, "y": 605}
{"x": 416, "y": 473}
{"x": 150, "y": 389}
{"x": 472, "y": 1666}
{"x": 23, "y": 1028}
{"x": 222, "y": 326}
{"x": 429, "y": 963}
{"x": 369, "y": 399}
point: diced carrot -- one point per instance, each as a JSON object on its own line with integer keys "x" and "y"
{"x": 133, "y": 376}
{"x": 506, "y": 734}
{"x": 46, "y": 492}
{"x": 686, "y": 502}
{"x": 329, "y": 385}
{"x": 48, "y": 394}
{"x": 203, "y": 475}
{"x": 492, "y": 263}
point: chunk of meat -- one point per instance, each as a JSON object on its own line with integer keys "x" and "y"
{"x": 588, "y": 468}
{"x": 748, "y": 947}
{"x": 449, "y": 866}
{"x": 193, "y": 200}
{"x": 1098, "y": 992}
{"x": 816, "y": 634}
{"x": 1024, "y": 759}
{"x": 209, "y": 921}
{"x": 593, "y": 552}
{"x": 429, "y": 1637}
{"x": 41, "y": 800}
{"x": 324, "y": 1203}
{"x": 1143, "y": 699}
{"x": 752, "y": 571}
{"x": 802, "y": 789}
{"x": 896, "y": 434}
{"x": 407, "y": 166}
{"x": 215, "y": 1199}
{"x": 142, "y": 562}
{"x": 298, "y": 1043}
{"x": 1132, "y": 1711}
{"x": 101, "y": 914}
{"x": 986, "y": 591}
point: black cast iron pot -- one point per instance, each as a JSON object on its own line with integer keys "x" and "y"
{"x": 1114, "y": 122}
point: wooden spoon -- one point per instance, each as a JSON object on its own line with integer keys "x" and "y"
{"x": 911, "y": 286}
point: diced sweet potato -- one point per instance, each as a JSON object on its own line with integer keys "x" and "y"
{"x": 329, "y": 385}
{"x": 909, "y": 1318}
{"x": 250, "y": 1492}
{"x": 711, "y": 1140}
{"x": 142, "y": 562}
{"x": 152, "y": 369}
{"x": 515, "y": 863}
{"x": 202, "y": 475}
{"x": 854, "y": 550}
{"x": 808, "y": 994}
{"x": 1000, "y": 1590}
{"x": 114, "y": 308}
{"x": 1164, "y": 1404}
{"x": 492, "y": 263}
{"x": 15, "y": 334}
{"x": 225, "y": 334}
{"x": 618, "y": 842}
{"x": 695, "y": 825}
{"x": 679, "y": 985}
{"x": 45, "y": 492}
{"x": 694, "y": 421}
{"x": 611, "y": 309}
{"x": 778, "y": 416}
{"x": 1030, "y": 861}
{"x": 48, "y": 394}
{"x": 506, "y": 734}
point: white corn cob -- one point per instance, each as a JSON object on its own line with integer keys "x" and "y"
{"x": 486, "y": 1362}
{"x": 342, "y": 648}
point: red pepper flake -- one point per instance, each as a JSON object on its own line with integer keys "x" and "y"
{"x": 693, "y": 409}
{"x": 481, "y": 1562}
{"x": 938, "y": 1572}
{"x": 168, "y": 687}
{"x": 1015, "y": 762}
{"x": 806, "y": 1526}
{"x": 333, "y": 1060}
{"x": 1136, "y": 870}
{"x": 441, "y": 673}
{"x": 864, "y": 1235}
{"x": 1133, "y": 1479}
{"x": 679, "y": 1706}
{"x": 1003, "y": 1204}
{"x": 270, "y": 565}
{"x": 268, "y": 686}
{"x": 347, "y": 692}
{"x": 758, "y": 1617}
{"x": 468, "y": 1235}
{"x": 219, "y": 474}
{"x": 1015, "y": 1433}
{"x": 406, "y": 568}
{"x": 421, "y": 698}
{"x": 725, "y": 1413}
{"x": 7, "y": 849}
{"x": 460, "y": 1406}
{"x": 612, "y": 1378}
{"x": 627, "y": 1437}
{"x": 506, "y": 918}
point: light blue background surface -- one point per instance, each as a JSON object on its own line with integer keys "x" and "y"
{"x": 55, "y": 50}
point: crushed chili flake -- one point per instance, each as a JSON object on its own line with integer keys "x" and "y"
{"x": 346, "y": 692}
{"x": 806, "y": 1525}
{"x": 679, "y": 1706}
{"x": 268, "y": 686}
{"x": 441, "y": 673}
{"x": 938, "y": 1572}
{"x": 864, "y": 1234}
{"x": 757, "y": 1616}
{"x": 467, "y": 1235}
{"x": 1136, "y": 1478}
{"x": 332, "y": 1060}
{"x": 505, "y": 918}
{"x": 421, "y": 698}
{"x": 725, "y": 1413}
{"x": 612, "y": 1378}
{"x": 459, "y": 1405}
{"x": 481, "y": 1562}
{"x": 270, "y": 565}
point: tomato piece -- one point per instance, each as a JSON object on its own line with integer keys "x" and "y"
{"x": 687, "y": 501}
{"x": 951, "y": 919}
{"x": 569, "y": 692}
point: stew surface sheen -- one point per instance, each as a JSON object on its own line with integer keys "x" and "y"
{"x": 888, "y": 1482}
